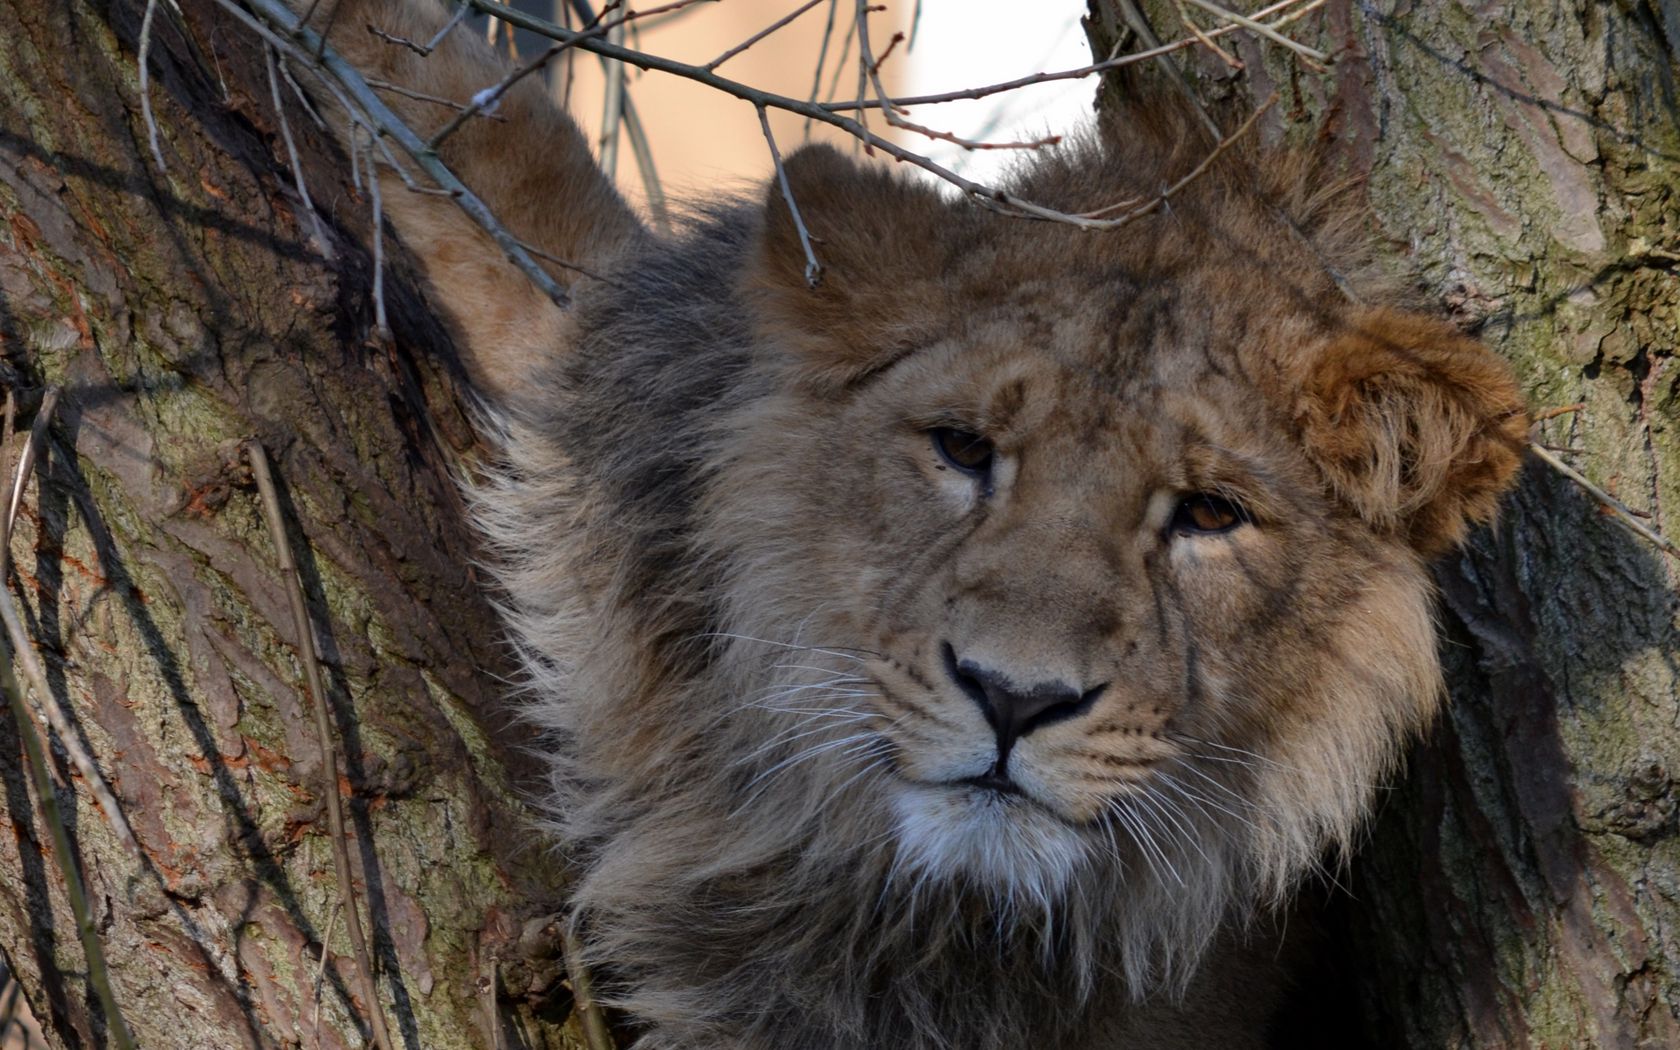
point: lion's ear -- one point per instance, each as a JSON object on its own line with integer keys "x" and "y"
{"x": 878, "y": 238}
{"x": 1416, "y": 426}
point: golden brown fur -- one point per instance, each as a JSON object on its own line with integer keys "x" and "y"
{"x": 761, "y": 611}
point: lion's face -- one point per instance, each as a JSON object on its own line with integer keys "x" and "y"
{"x": 1086, "y": 564}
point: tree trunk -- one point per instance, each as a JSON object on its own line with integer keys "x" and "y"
{"x": 1521, "y": 886}
{"x": 182, "y": 312}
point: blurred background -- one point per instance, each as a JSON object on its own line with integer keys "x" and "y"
{"x": 704, "y": 142}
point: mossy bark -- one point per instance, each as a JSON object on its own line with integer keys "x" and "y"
{"x": 1521, "y": 882}
{"x": 183, "y": 311}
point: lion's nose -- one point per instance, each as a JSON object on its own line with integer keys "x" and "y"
{"x": 1014, "y": 710}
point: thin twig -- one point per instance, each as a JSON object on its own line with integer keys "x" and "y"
{"x": 1231, "y": 61}
{"x": 997, "y": 199}
{"x": 839, "y": 68}
{"x": 761, "y": 34}
{"x": 305, "y": 635}
{"x": 321, "y": 966}
{"x": 427, "y": 48}
{"x": 875, "y": 66}
{"x": 421, "y": 96}
{"x": 595, "y": 1031}
{"x": 485, "y": 101}
{"x": 1195, "y": 173}
{"x": 46, "y": 701}
{"x": 565, "y": 265}
{"x": 641, "y": 147}
{"x": 488, "y": 988}
{"x": 1254, "y": 26}
{"x": 355, "y": 131}
{"x": 26, "y": 464}
{"x": 46, "y": 796}
{"x": 146, "y": 83}
{"x": 381, "y": 330}
{"x": 1138, "y": 23}
{"x": 1077, "y": 73}
{"x": 822, "y": 51}
{"x": 7, "y": 423}
{"x": 299, "y": 94}
{"x": 892, "y": 111}
{"x": 813, "y": 268}
{"x": 990, "y": 196}
{"x": 1552, "y": 413}
{"x": 612, "y": 108}
{"x": 98, "y": 973}
{"x": 1619, "y": 510}
{"x": 292, "y": 153}
{"x": 375, "y": 114}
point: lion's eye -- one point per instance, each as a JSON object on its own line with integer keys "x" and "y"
{"x": 965, "y": 450}
{"x": 1204, "y": 514}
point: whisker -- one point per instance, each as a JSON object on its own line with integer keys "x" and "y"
{"x": 1171, "y": 812}
{"x": 1146, "y": 842}
{"x": 837, "y": 651}
{"x": 800, "y": 732}
{"x": 1254, "y": 755}
{"x": 1202, "y": 801}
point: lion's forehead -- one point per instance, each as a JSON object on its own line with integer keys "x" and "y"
{"x": 1079, "y": 393}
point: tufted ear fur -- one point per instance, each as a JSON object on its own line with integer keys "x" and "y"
{"x": 879, "y": 239}
{"x": 1418, "y": 427}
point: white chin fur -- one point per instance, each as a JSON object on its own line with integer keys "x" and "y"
{"x": 1006, "y": 847}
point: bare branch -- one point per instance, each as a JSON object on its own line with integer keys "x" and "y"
{"x": 382, "y": 330}
{"x": 762, "y": 33}
{"x": 642, "y": 149}
{"x": 421, "y": 96}
{"x": 1617, "y": 509}
{"x": 1255, "y": 26}
{"x": 344, "y": 79}
{"x": 565, "y": 265}
{"x": 299, "y": 94}
{"x": 1079, "y": 73}
{"x": 427, "y": 48}
{"x": 49, "y": 710}
{"x": 1231, "y": 61}
{"x": 485, "y": 101}
{"x": 305, "y": 635}
{"x": 98, "y": 973}
{"x": 813, "y": 268}
{"x": 822, "y": 51}
{"x": 146, "y": 83}
{"x": 292, "y": 153}
{"x": 612, "y": 108}
{"x": 640, "y": 146}
{"x": 1194, "y": 173}
{"x": 1138, "y": 22}
{"x": 1552, "y": 413}
{"x": 595, "y": 1031}
{"x": 997, "y": 199}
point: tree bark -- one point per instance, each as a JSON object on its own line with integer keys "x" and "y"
{"x": 1521, "y": 885}
{"x": 182, "y": 312}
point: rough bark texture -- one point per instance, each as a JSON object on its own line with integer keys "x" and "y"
{"x": 1521, "y": 886}
{"x": 182, "y": 312}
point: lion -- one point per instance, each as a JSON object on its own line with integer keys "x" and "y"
{"x": 962, "y": 652}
